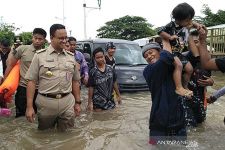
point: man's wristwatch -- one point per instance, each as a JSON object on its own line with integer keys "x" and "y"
{"x": 78, "y": 102}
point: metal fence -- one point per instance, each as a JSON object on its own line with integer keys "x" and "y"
{"x": 216, "y": 40}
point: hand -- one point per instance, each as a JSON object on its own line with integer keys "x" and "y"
{"x": 85, "y": 80}
{"x": 203, "y": 36}
{"x": 200, "y": 27}
{"x": 90, "y": 107}
{"x": 211, "y": 99}
{"x": 197, "y": 26}
{"x": 173, "y": 37}
{"x": 77, "y": 109}
{"x": 205, "y": 82}
{"x": 30, "y": 114}
{"x": 119, "y": 100}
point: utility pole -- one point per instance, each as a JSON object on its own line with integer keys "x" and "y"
{"x": 85, "y": 15}
{"x": 85, "y": 26}
{"x": 63, "y": 19}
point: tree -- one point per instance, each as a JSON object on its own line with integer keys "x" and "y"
{"x": 210, "y": 18}
{"x": 26, "y": 37}
{"x": 7, "y": 32}
{"x": 127, "y": 27}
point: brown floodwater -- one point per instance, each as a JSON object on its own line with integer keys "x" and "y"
{"x": 124, "y": 128}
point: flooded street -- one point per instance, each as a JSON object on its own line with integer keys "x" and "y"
{"x": 124, "y": 128}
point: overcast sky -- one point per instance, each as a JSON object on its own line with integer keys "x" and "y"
{"x": 28, "y": 14}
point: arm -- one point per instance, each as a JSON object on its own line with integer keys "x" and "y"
{"x": 32, "y": 77}
{"x": 205, "y": 58}
{"x": 76, "y": 94}
{"x": 91, "y": 85}
{"x": 90, "y": 95}
{"x": 219, "y": 93}
{"x": 192, "y": 46}
{"x": 166, "y": 32}
{"x": 84, "y": 65}
{"x": 31, "y": 85}
{"x": 216, "y": 95}
{"x": 1, "y": 68}
{"x": 1, "y": 73}
{"x": 10, "y": 62}
{"x": 195, "y": 25}
{"x": 199, "y": 27}
{"x": 77, "y": 66}
{"x": 84, "y": 68}
{"x": 167, "y": 37}
{"x": 115, "y": 87}
{"x": 167, "y": 46}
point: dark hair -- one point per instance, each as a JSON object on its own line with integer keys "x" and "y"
{"x": 110, "y": 45}
{"x": 5, "y": 42}
{"x": 55, "y": 27}
{"x": 183, "y": 11}
{"x": 72, "y": 39}
{"x": 40, "y": 31}
{"x": 97, "y": 50}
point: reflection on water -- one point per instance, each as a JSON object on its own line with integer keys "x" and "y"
{"x": 125, "y": 127}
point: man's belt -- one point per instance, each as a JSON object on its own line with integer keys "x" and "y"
{"x": 57, "y": 96}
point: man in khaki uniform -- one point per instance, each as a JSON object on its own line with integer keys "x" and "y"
{"x": 25, "y": 54}
{"x": 55, "y": 70}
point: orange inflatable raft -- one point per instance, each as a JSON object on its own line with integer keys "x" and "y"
{"x": 10, "y": 84}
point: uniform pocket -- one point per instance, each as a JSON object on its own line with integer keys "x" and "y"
{"x": 48, "y": 70}
{"x": 70, "y": 66}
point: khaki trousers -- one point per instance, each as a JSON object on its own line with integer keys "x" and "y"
{"x": 52, "y": 111}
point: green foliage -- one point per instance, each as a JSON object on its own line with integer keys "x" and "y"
{"x": 211, "y": 19}
{"x": 26, "y": 37}
{"x": 127, "y": 27}
{"x": 7, "y": 32}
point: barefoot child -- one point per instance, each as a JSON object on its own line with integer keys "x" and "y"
{"x": 176, "y": 33}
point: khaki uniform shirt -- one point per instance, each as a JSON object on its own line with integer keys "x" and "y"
{"x": 53, "y": 71}
{"x": 25, "y": 53}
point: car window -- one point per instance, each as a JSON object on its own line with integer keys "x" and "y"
{"x": 102, "y": 45}
{"x": 129, "y": 54}
{"x": 126, "y": 54}
{"x": 87, "y": 48}
{"x": 79, "y": 47}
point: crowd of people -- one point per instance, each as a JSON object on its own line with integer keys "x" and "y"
{"x": 51, "y": 78}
